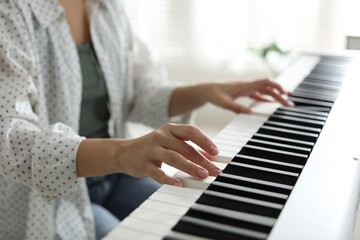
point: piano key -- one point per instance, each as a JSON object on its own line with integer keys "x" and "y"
{"x": 254, "y": 183}
{"x": 239, "y": 204}
{"x": 262, "y": 220}
{"x": 290, "y": 119}
{"x": 304, "y": 111}
{"x": 244, "y": 192}
{"x": 312, "y": 102}
{"x": 312, "y": 108}
{"x": 227, "y": 220}
{"x": 296, "y": 114}
{"x": 155, "y": 216}
{"x": 169, "y": 198}
{"x": 191, "y": 182}
{"x": 164, "y": 207}
{"x": 287, "y": 133}
{"x": 279, "y": 146}
{"x": 310, "y": 94}
{"x": 218, "y": 231}
{"x": 268, "y": 164}
{"x": 124, "y": 233}
{"x": 261, "y": 173}
{"x": 273, "y": 150}
{"x": 282, "y": 139}
{"x": 273, "y": 155}
{"x": 145, "y": 226}
{"x": 292, "y": 126}
{"x": 180, "y": 191}
{"x": 265, "y": 160}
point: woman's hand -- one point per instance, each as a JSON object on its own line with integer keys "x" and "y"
{"x": 224, "y": 94}
{"x": 188, "y": 98}
{"x": 143, "y": 156}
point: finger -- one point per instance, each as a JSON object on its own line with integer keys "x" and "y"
{"x": 258, "y": 97}
{"x": 190, "y": 153}
{"x": 278, "y": 97}
{"x": 178, "y": 161}
{"x": 269, "y": 83}
{"x": 194, "y": 134}
{"x": 159, "y": 175}
{"x": 230, "y": 104}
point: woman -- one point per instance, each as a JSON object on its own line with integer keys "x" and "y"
{"x": 43, "y": 95}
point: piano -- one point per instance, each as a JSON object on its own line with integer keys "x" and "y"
{"x": 288, "y": 173}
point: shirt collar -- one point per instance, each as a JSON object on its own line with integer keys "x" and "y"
{"x": 46, "y": 11}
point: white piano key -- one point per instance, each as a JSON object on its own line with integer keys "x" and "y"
{"x": 249, "y": 217}
{"x": 245, "y": 199}
{"x": 294, "y": 126}
{"x": 231, "y": 142}
{"x": 284, "y": 139}
{"x": 124, "y": 233}
{"x": 181, "y": 191}
{"x": 190, "y": 181}
{"x": 155, "y": 216}
{"x": 234, "y": 149}
{"x": 276, "y": 151}
{"x": 184, "y": 236}
{"x": 164, "y": 207}
{"x": 146, "y": 226}
{"x": 269, "y": 161}
{"x": 169, "y": 198}
{"x": 280, "y": 145}
{"x": 225, "y": 156}
{"x": 264, "y": 169}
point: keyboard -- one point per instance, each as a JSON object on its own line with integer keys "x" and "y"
{"x": 288, "y": 173}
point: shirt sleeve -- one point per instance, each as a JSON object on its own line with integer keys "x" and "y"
{"x": 39, "y": 156}
{"x": 152, "y": 88}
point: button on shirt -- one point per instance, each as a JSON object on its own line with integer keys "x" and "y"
{"x": 40, "y": 98}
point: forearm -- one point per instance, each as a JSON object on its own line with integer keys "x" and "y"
{"x": 97, "y": 157}
{"x": 186, "y": 99}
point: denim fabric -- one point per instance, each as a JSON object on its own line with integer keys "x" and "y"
{"x": 118, "y": 195}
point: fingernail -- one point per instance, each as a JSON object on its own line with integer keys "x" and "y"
{"x": 178, "y": 183}
{"x": 214, "y": 150}
{"x": 216, "y": 172}
{"x": 202, "y": 173}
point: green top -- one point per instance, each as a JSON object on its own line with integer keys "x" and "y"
{"x": 94, "y": 114}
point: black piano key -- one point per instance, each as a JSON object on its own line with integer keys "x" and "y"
{"x": 303, "y": 111}
{"x": 281, "y": 133}
{"x": 260, "y": 174}
{"x": 207, "y": 232}
{"x": 267, "y": 164}
{"x": 318, "y": 97}
{"x": 171, "y": 238}
{"x": 295, "y": 127}
{"x": 235, "y": 205}
{"x": 310, "y": 102}
{"x": 284, "y": 112}
{"x": 273, "y": 155}
{"x": 282, "y": 140}
{"x": 228, "y": 221}
{"x": 297, "y": 121}
{"x": 247, "y": 194}
{"x": 289, "y": 148}
{"x": 247, "y": 183}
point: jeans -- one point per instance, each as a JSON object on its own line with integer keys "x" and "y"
{"x": 118, "y": 195}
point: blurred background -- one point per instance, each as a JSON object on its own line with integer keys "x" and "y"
{"x": 224, "y": 40}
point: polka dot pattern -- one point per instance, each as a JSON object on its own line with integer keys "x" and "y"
{"x": 40, "y": 99}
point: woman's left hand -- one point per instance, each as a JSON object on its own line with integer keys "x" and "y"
{"x": 225, "y": 94}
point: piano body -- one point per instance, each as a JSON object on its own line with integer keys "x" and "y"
{"x": 289, "y": 173}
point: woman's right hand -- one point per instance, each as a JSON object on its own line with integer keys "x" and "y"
{"x": 142, "y": 157}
